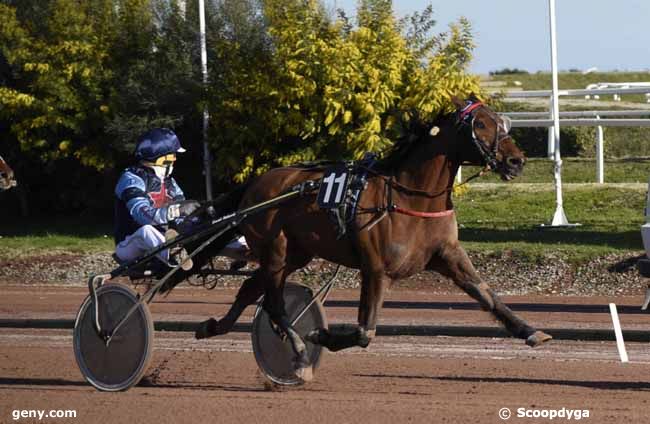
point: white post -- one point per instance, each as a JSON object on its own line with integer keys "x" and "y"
{"x": 600, "y": 157}
{"x": 459, "y": 178}
{"x": 550, "y": 149}
{"x": 182, "y": 6}
{"x": 207, "y": 163}
{"x": 559, "y": 218}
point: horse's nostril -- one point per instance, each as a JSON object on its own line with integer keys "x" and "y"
{"x": 515, "y": 162}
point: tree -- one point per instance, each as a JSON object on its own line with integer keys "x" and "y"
{"x": 80, "y": 81}
{"x": 56, "y": 70}
{"x": 321, "y": 88}
{"x": 287, "y": 81}
{"x": 83, "y": 79}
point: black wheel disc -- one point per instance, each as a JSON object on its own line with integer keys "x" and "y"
{"x": 122, "y": 363}
{"x": 274, "y": 355}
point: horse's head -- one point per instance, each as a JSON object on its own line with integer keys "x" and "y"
{"x": 6, "y": 176}
{"x": 489, "y": 134}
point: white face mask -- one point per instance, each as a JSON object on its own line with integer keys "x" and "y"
{"x": 162, "y": 171}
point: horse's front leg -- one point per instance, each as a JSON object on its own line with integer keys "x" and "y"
{"x": 452, "y": 261}
{"x": 274, "y": 305}
{"x": 277, "y": 262}
{"x": 373, "y": 287}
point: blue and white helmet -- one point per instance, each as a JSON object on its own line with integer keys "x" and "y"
{"x": 156, "y": 143}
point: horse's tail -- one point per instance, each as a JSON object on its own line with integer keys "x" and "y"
{"x": 229, "y": 202}
{"x": 222, "y": 205}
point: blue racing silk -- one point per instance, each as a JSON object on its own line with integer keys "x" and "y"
{"x": 142, "y": 199}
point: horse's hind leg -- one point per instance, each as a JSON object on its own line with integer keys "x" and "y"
{"x": 276, "y": 264}
{"x": 454, "y": 263}
{"x": 251, "y": 290}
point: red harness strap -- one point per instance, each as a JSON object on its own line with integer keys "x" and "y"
{"x": 424, "y": 214}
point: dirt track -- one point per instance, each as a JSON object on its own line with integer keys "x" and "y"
{"x": 398, "y": 379}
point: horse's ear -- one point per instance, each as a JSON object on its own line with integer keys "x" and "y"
{"x": 457, "y": 102}
{"x": 473, "y": 97}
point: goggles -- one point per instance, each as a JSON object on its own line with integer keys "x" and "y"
{"x": 165, "y": 160}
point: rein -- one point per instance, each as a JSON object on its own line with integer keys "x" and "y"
{"x": 417, "y": 192}
{"x": 441, "y": 214}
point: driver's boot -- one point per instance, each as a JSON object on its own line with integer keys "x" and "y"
{"x": 178, "y": 254}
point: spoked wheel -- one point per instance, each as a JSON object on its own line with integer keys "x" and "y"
{"x": 274, "y": 355}
{"x": 122, "y": 362}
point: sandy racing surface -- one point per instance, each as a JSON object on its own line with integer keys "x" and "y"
{"x": 398, "y": 379}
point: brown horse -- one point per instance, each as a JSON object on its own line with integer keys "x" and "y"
{"x": 405, "y": 224}
{"x": 7, "y": 179}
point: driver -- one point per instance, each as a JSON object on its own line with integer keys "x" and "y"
{"x": 148, "y": 201}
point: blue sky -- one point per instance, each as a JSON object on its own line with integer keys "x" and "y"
{"x": 608, "y": 35}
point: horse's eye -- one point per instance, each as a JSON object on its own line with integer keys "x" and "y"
{"x": 480, "y": 125}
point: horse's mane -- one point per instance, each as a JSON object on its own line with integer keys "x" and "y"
{"x": 313, "y": 165}
{"x": 414, "y": 132}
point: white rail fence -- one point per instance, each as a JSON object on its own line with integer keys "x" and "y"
{"x": 583, "y": 118}
{"x": 597, "y": 118}
{"x": 592, "y": 118}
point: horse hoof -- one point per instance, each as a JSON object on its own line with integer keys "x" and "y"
{"x": 210, "y": 328}
{"x": 317, "y": 336}
{"x": 205, "y": 329}
{"x": 538, "y": 338}
{"x": 306, "y": 374}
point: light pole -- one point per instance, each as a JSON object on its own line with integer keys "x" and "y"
{"x": 207, "y": 162}
{"x": 559, "y": 218}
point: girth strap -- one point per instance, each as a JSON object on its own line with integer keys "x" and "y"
{"x": 419, "y": 214}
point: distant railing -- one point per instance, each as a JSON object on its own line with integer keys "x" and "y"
{"x": 577, "y": 92}
{"x": 593, "y": 118}
{"x": 617, "y": 97}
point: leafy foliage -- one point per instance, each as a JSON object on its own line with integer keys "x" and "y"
{"x": 81, "y": 79}
{"x": 287, "y": 81}
{"x": 55, "y": 69}
{"x": 319, "y": 88}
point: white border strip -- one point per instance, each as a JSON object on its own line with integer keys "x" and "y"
{"x": 620, "y": 343}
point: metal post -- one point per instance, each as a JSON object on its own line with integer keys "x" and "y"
{"x": 600, "y": 157}
{"x": 207, "y": 162}
{"x": 550, "y": 149}
{"x": 559, "y": 218}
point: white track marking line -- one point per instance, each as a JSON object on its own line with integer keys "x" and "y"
{"x": 620, "y": 343}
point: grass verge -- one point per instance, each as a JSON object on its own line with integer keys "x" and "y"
{"x": 575, "y": 170}
{"x": 506, "y": 218}
{"x": 493, "y": 218}
{"x": 61, "y": 235}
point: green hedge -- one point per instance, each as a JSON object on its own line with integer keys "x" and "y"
{"x": 575, "y": 141}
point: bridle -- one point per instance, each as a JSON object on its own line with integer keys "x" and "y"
{"x": 6, "y": 176}
{"x": 466, "y": 117}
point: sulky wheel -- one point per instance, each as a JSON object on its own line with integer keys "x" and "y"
{"x": 274, "y": 355}
{"x": 122, "y": 363}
